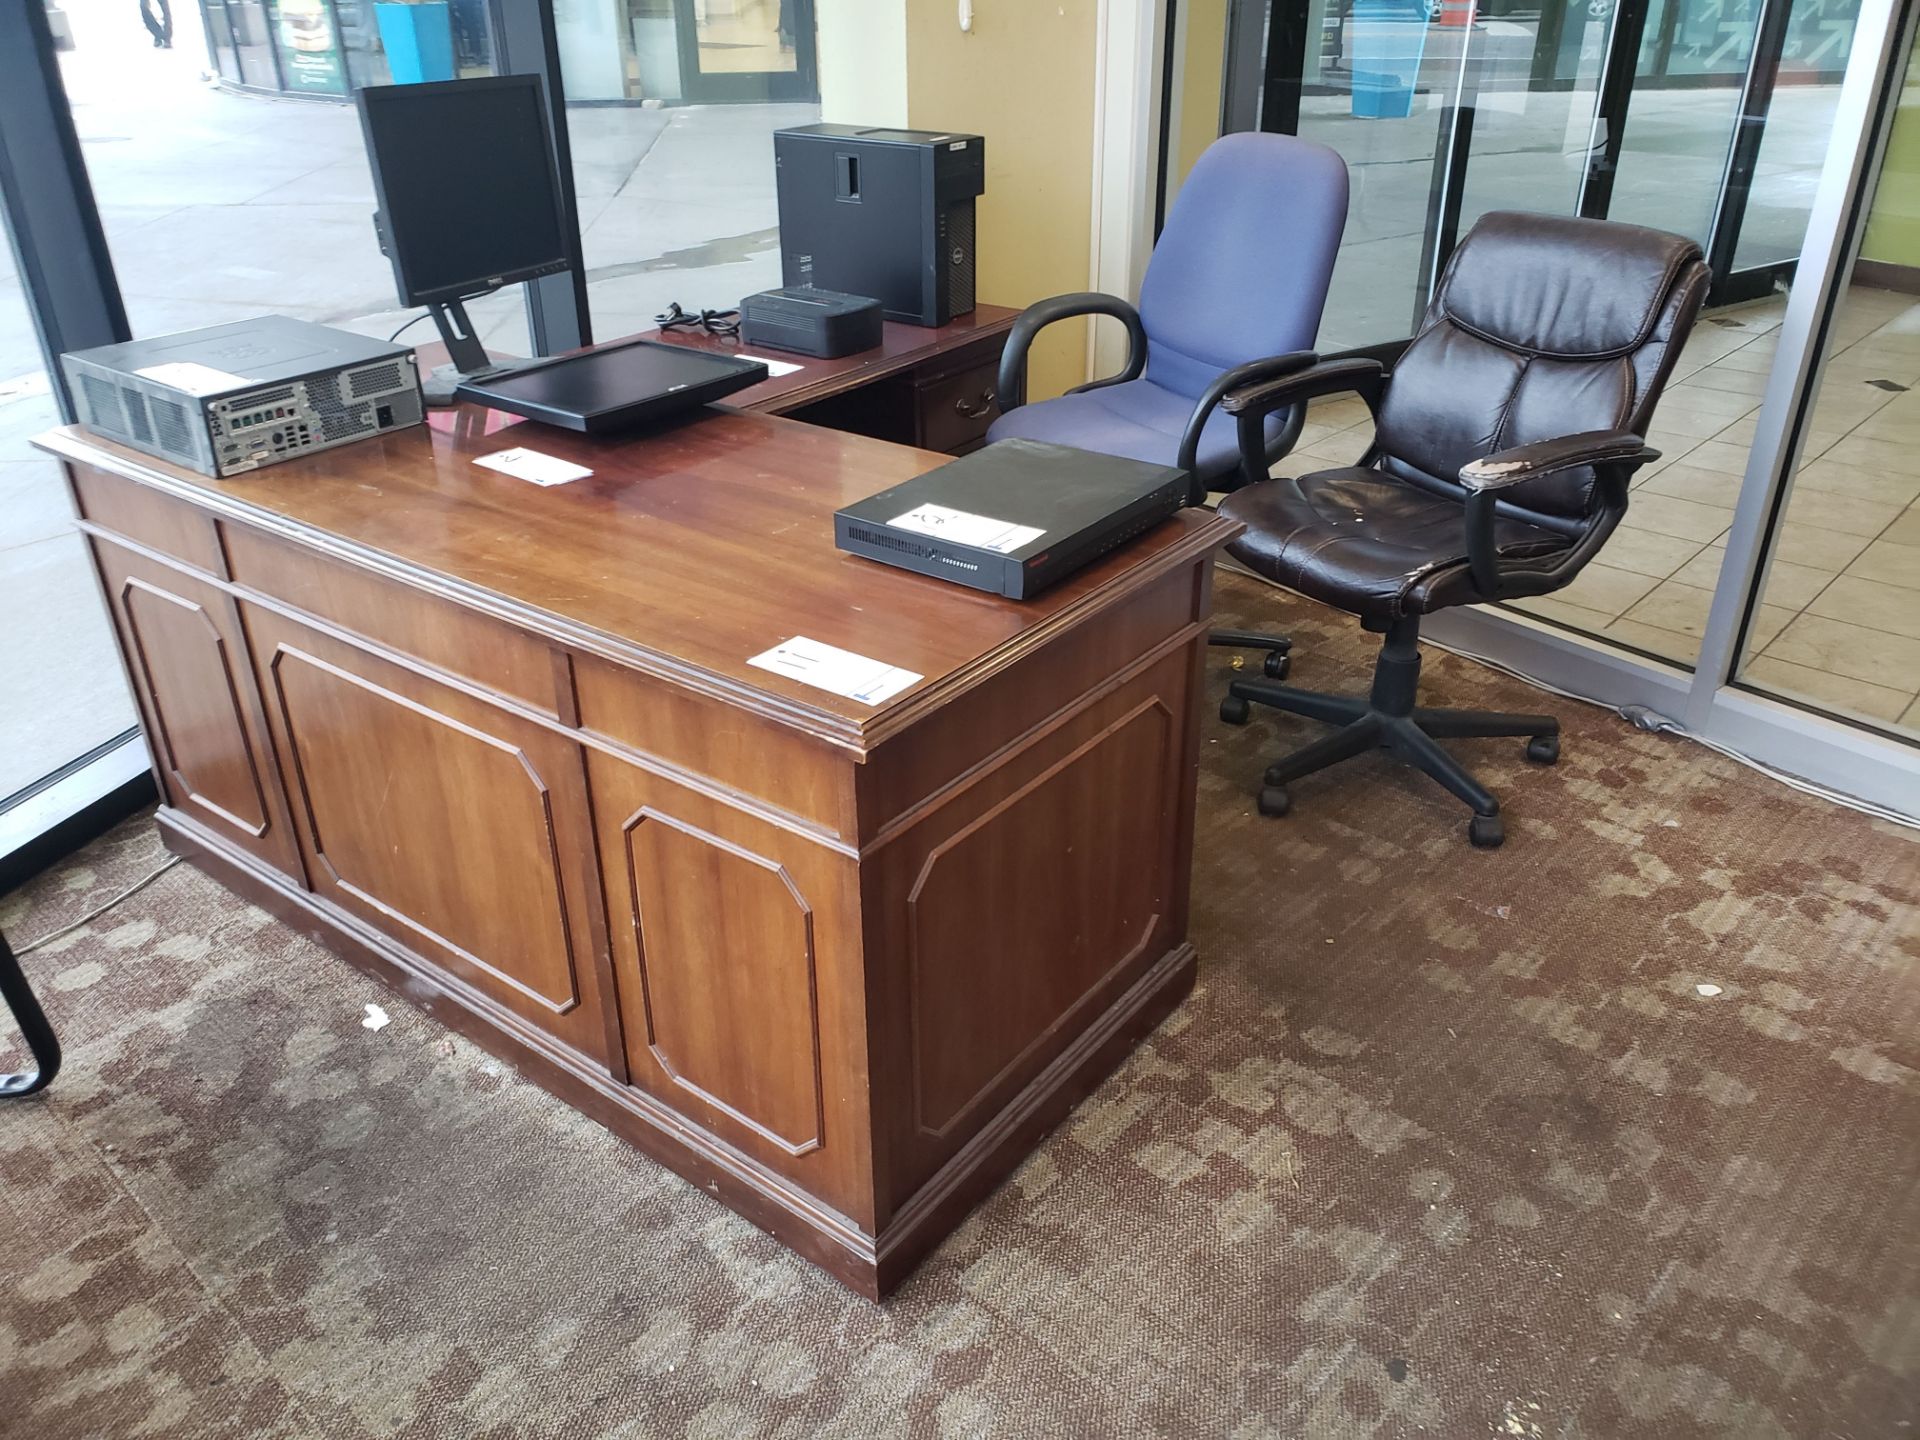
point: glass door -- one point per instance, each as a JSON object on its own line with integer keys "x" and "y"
{"x": 65, "y": 697}
{"x": 1761, "y": 591}
{"x": 1787, "y": 635}
{"x": 1851, "y": 647}
{"x": 747, "y": 50}
{"x": 1704, "y": 117}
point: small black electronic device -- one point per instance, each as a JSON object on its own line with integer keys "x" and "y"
{"x": 880, "y": 212}
{"x": 1014, "y": 518}
{"x": 469, "y": 199}
{"x": 616, "y": 387}
{"x": 822, "y": 323}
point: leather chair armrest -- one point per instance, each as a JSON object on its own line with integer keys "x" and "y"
{"x": 1042, "y": 313}
{"x": 1238, "y": 378}
{"x": 1614, "y": 454}
{"x": 1357, "y": 376}
{"x": 1548, "y": 457}
{"x": 1251, "y": 404}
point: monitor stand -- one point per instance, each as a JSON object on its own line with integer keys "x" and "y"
{"x": 467, "y": 357}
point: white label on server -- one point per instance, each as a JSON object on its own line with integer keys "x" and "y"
{"x": 524, "y": 464}
{"x": 826, "y": 667}
{"x": 979, "y": 531}
{"x": 192, "y": 377}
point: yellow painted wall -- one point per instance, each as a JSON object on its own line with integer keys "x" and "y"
{"x": 1893, "y": 229}
{"x": 1024, "y": 79}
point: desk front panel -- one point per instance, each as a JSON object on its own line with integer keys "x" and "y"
{"x": 845, "y": 991}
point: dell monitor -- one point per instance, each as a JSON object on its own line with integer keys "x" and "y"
{"x": 469, "y": 198}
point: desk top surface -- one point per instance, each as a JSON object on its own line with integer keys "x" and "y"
{"x": 901, "y": 347}
{"x": 684, "y": 554}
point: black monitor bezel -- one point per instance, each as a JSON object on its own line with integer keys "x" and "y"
{"x": 372, "y": 95}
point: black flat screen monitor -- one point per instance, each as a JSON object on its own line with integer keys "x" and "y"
{"x": 464, "y": 175}
{"x": 615, "y": 387}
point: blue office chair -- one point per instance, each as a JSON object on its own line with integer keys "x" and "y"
{"x": 1231, "y": 297}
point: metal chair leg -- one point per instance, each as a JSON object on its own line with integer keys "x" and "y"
{"x": 1249, "y": 640}
{"x": 1329, "y": 709}
{"x": 42, "y": 1043}
{"x": 1388, "y": 717}
{"x": 1420, "y": 750}
{"x": 1482, "y": 724}
{"x": 1353, "y": 739}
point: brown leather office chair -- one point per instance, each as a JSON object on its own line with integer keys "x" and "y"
{"x": 1505, "y": 437}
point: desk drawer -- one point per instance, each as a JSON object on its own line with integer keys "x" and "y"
{"x": 952, "y": 412}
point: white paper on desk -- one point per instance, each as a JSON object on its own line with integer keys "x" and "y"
{"x": 774, "y": 367}
{"x": 192, "y": 377}
{"x": 826, "y": 667}
{"x": 525, "y": 464}
{"x": 980, "y": 531}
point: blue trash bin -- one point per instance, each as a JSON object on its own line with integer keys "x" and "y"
{"x": 418, "y": 40}
{"x": 1389, "y": 39}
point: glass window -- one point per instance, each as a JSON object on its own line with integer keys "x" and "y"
{"x": 65, "y": 692}
{"x": 219, "y": 203}
{"x": 1838, "y": 616}
{"x": 671, "y": 109}
{"x": 1443, "y": 103}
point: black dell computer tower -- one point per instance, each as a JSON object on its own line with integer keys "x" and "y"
{"x": 886, "y": 213}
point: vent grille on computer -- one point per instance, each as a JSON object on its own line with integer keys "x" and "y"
{"x": 374, "y": 380}
{"x": 103, "y": 404}
{"x": 889, "y": 542}
{"x": 136, "y": 406}
{"x": 265, "y": 397}
{"x": 338, "y": 420}
{"x": 960, "y": 252}
{"x": 170, "y": 428}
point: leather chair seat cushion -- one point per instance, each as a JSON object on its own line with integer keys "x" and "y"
{"x": 1367, "y": 543}
{"x": 1138, "y": 419}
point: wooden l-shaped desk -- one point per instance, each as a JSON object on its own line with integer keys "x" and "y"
{"x": 839, "y": 964}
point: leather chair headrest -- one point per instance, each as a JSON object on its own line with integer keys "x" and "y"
{"x": 1539, "y": 283}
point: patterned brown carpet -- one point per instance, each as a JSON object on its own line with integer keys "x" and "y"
{"x": 1447, "y": 1143}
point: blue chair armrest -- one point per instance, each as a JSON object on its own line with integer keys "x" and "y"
{"x": 1227, "y": 381}
{"x": 1011, "y": 386}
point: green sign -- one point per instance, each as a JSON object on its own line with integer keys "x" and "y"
{"x": 309, "y": 49}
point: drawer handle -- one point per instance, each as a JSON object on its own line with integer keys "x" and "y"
{"x": 977, "y": 408}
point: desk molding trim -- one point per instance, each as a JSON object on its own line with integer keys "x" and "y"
{"x": 1203, "y": 537}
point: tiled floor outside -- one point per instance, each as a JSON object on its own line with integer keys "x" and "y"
{"x": 1839, "y": 620}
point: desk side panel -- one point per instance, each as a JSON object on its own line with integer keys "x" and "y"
{"x": 1020, "y": 909}
{"x": 186, "y": 654}
{"x": 737, "y": 953}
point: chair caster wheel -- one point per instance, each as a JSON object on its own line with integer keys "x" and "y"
{"x": 1543, "y": 749}
{"x": 1234, "y": 710}
{"x": 1486, "y": 832}
{"x": 1276, "y": 665}
{"x": 1274, "y": 801}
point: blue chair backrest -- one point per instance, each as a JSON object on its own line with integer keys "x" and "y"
{"x": 1241, "y": 268}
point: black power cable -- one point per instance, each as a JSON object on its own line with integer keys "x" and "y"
{"x": 714, "y": 322}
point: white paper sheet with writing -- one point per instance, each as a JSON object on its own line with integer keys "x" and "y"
{"x": 827, "y": 667}
{"x": 532, "y": 466}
